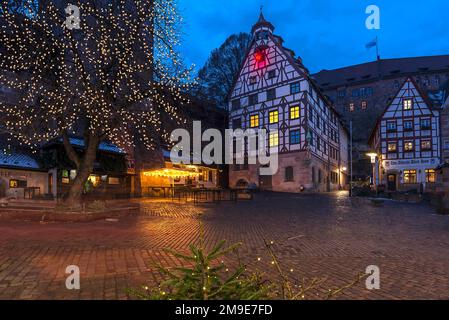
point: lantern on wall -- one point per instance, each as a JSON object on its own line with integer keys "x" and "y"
{"x": 260, "y": 56}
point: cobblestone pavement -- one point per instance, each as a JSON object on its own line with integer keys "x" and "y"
{"x": 328, "y": 236}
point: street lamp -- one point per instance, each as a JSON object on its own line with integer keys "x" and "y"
{"x": 375, "y": 162}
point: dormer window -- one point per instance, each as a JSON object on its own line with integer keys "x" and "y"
{"x": 262, "y": 35}
{"x": 271, "y": 74}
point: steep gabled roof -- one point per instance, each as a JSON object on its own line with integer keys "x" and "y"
{"x": 423, "y": 95}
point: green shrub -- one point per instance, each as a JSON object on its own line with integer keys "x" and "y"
{"x": 207, "y": 278}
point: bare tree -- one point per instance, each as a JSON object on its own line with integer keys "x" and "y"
{"x": 217, "y": 76}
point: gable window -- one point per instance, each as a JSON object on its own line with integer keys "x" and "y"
{"x": 252, "y": 80}
{"x": 274, "y": 139}
{"x": 295, "y": 137}
{"x": 253, "y": 99}
{"x": 407, "y": 104}
{"x": 262, "y": 35}
{"x": 364, "y": 105}
{"x": 274, "y": 116}
{"x": 351, "y": 107}
{"x": 294, "y": 113}
{"x": 271, "y": 94}
{"x": 426, "y": 145}
{"x": 289, "y": 174}
{"x": 295, "y": 88}
{"x": 271, "y": 74}
{"x": 409, "y": 176}
{"x": 235, "y": 104}
{"x": 391, "y": 126}
{"x": 408, "y": 146}
{"x": 392, "y": 147}
{"x": 254, "y": 121}
{"x": 425, "y": 124}
{"x": 431, "y": 176}
{"x": 408, "y": 125}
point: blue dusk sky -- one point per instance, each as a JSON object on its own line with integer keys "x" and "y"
{"x": 326, "y": 34}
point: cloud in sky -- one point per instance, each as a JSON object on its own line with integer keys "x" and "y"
{"x": 327, "y": 34}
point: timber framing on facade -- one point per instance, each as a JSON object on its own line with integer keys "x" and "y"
{"x": 407, "y": 140}
{"x": 273, "y": 91}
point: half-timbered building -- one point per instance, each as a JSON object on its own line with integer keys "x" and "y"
{"x": 407, "y": 140}
{"x": 274, "y": 91}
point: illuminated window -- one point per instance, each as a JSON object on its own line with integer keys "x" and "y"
{"x": 431, "y": 176}
{"x": 408, "y": 146}
{"x": 14, "y": 183}
{"x": 426, "y": 145}
{"x": 295, "y": 88}
{"x": 425, "y": 124}
{"x": 253, "y": 99}
{"x": 274, "y": 117}
{"x": 295, "y": 137}
{"x": 407, "y": 104}
{"x": 254, "y": 121}
{"x": 392, "y": 147}
{"x": 95, "y": 180}
{"x": 408, "y": 125}
{"x": 294, "y": 113}
{"x": 274, "y": 139}
{"x": 351, "y": 107}
{"x": 409, "y": 176}
{"x": 114, "y": 181}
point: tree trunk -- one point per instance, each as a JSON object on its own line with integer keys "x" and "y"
{"x": 85, "y": 168}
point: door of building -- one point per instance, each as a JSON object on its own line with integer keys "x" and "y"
{"x": 266, "y": 182}
{"x": 391, "y": 182}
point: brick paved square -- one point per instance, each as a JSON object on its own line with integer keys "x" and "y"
{"x": 327, "y": 235}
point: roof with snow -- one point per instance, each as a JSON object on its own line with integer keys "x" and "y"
{"x": 18, "y": 160}
{"x": 104, "y": 146}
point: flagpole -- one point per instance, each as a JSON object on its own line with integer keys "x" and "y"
{"x": 377, "y": 48}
